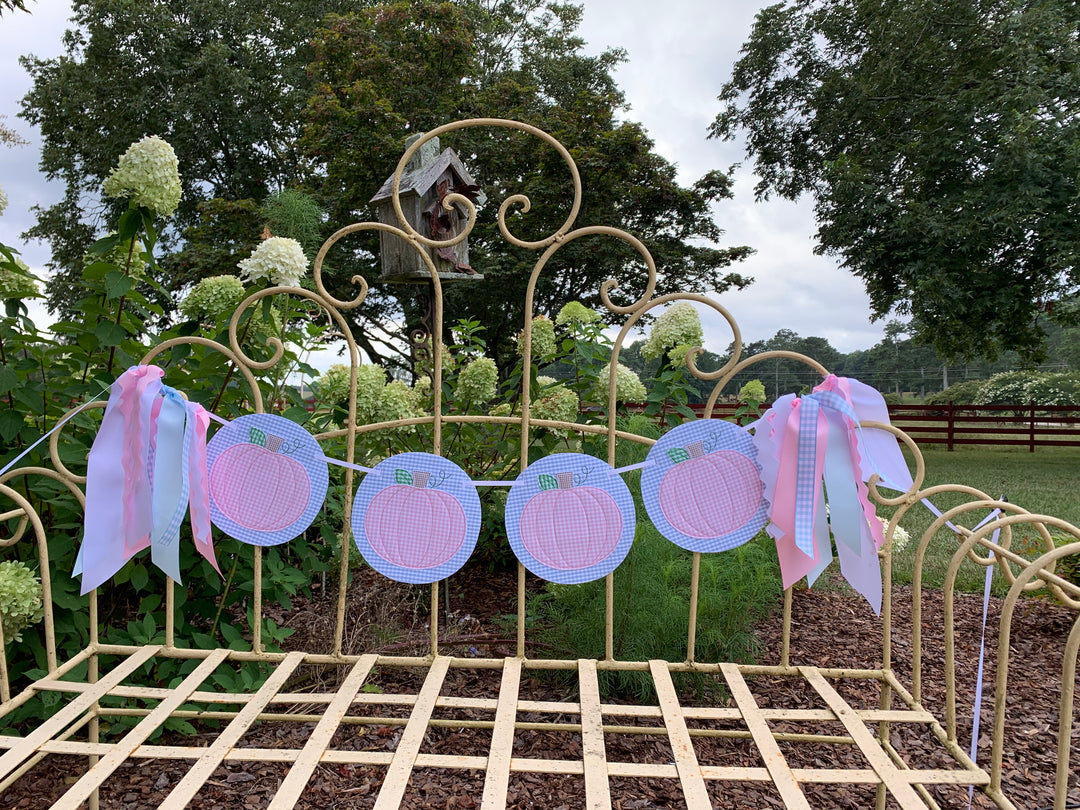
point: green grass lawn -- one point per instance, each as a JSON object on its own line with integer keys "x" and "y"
{"x": 1044, "y": 482}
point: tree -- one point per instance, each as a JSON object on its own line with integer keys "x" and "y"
{"x": 782, "y": 375}
{"x": 938, "y": 140}
{"x": 224, "y": 83}
{"x": 395, "y": 69}
{"x": 12, "y": 5}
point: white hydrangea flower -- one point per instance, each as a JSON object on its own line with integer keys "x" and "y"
{"x": 370, "y": 382}
{"x": 478, "y": 381}
{"x": 3, "y": 200}
{"x": 558, "y": 404}
{"x": 543, "y": 337}
{"x": 628, "y": 386}
{"x": 679, "y": 327}
{"x": 16, "y": 285}
{"x": 576, "y": 312}
{"x": 149, "y": 174}
{"x": 213, "y": 298}
{"x": 332, "y": 385}
{"x": 20, "y": 599}
{"x": 279, "y": 260}
{"x": 900, "y": 537}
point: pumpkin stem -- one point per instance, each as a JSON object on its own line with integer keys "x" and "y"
{"x": 420, "y": 479}
{"x": 696, "y": 449}
{"x": 565, "y": 479}
{"x": 273, "y": 443}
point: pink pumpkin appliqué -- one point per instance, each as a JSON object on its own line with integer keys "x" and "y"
{"x": 413, "y": 526}
{"x": 259, "y": 488}
{"x": 570, "y": 528}
{"x": 709, "y": 496}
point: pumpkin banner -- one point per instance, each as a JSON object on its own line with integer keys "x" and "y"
{"x": 707, "y": 485}
{"x": 416, "y": 518}
{"x": 267, "y": 479}
{"x": 702, "y": 486}
{"x": 570, "y": 518}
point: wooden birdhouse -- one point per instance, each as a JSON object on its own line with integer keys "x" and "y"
{"x": 428, "y": 177}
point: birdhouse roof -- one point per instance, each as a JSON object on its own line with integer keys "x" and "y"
{"x": 420, "y": 181}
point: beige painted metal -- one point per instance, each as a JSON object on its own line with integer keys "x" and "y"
{"x": 95, "y": 700}
{"x": 682, "y": 746}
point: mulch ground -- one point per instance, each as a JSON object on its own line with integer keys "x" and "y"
{"x": 831, "y": 629}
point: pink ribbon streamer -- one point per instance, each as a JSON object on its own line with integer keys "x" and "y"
{"x": 199, "y": 498}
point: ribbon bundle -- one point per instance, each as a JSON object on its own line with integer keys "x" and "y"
{"x": 805, "y": 443}
{"x": 147, "y": 467}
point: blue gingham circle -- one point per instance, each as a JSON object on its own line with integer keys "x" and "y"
{"x": 570, "y": 518}
{"x": 701, "y": 506}
{"x": 416, "y": 518}
{"x": 259, "y": 467}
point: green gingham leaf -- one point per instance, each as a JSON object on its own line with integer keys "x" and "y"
{"x": 402, "y": 477}
{"x": 677, "y": 454}
{"x": 256, "y": 436}
{"x": 548, "y": 482}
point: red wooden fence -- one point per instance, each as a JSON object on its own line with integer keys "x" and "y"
{"x": 1028, "y": 425}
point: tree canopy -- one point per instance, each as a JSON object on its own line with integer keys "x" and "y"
{"x": 938, "y": 139}
{"x": 258, "y": 97}
{"x": 406, "y": 67}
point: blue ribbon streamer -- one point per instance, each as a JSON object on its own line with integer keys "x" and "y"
{"x": 175, "y": 432}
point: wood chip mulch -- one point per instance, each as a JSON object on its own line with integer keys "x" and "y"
{"x": 831, "y": 629}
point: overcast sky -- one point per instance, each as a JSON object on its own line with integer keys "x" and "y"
{"x": 679, "y": 54}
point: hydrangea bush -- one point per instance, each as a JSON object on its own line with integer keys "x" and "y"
{"x": 213, "y": 299}
{"x": 20, "y": 599}
{"x": 675, "y": 331}
{"x": 628, "y": 386}
{"x": 279, "y": 260}
{"x": 17, "y": 286}
{"x": 149, "y": 175}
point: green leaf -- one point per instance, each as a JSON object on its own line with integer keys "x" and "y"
{"x": 11, "y": 423}
{"x": 547, "y": 481}
{"x": 256, "y": 436}
{"x": 140, "y": 577}
{"x": 117, "y": 285}
{"x": 402, "y": 477}
{"x": 8, "y": 379}
{"x": 297, "y": 414}
{"x": 104, "y": 245}
{"x": 109, "y": 334}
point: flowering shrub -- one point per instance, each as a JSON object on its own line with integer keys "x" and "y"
{"x": 628, "y": 386}
{"x": 3, "y": 201}
{"x": 576, "y": 312}
{"x": 555, "y": 402}
{"x": 279, "y": 260}
{"x": 477, "y": 382}
{"x": 543, "y": 337}
{"x": 213, "y": 298}
{"x": 149, "y": 174}
{"x": 1062, "y": 388}
{"x": 18, "y": 285}
{"x": 1007, "y": 388}
{"x": 20, "y": 599}
{"x": 332, "y": 386}
{"x": 119, "y": 256}
{"x": 676, "y": 331}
